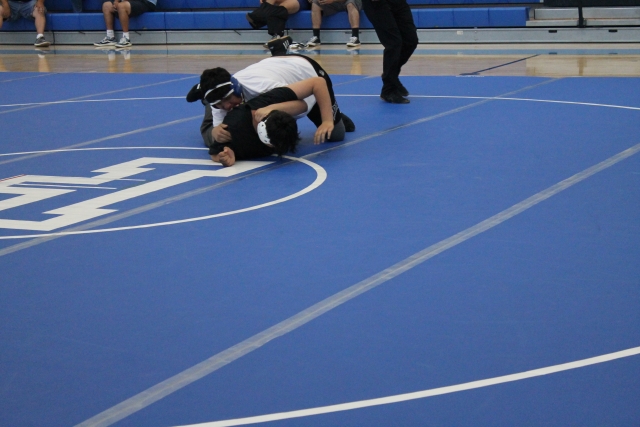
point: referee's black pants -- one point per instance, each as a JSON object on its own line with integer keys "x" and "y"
{"x": 397, "y": 32}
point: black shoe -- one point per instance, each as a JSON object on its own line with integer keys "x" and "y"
{"x": 394, "y": 98}
{"x": 402, "y": 90}
{"x": 349, "y": 126}
{"x": 279, "y": 46}
{"x": 195, "y": 94}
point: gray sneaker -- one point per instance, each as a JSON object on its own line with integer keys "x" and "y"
{"x": 107, "y": 41}
{"x": 124, "y": 42}
{"x": 41, "y": 42}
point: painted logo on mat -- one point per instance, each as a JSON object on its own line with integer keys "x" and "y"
{"x": 26, "y": 189}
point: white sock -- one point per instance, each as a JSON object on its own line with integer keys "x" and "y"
{"x": 39, "y": 35}
{"x": 126, "y": 35}
{"x": 111, "y": 34}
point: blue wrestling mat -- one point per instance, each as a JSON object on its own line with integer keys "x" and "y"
{"x": 468, "y": 259}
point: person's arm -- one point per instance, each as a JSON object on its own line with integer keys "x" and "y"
{"x": 206, "y": 127}
{"x": 226, "y": 157}
{"x": 294, "y": 108}
{"x": 317, "y": 87}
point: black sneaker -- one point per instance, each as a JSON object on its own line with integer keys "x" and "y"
{"x": 41, "y": 42}
{"x": 349, "y": 126}
{"x": 402, "y": 90}
{"x": 279, "y": 46}
{"x": 394, "y": 98}
{"x": 195, "y": 94}
{"x": 106, "y": 42}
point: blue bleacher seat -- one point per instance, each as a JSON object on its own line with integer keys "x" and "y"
{"x": 437, "y": 18}
{"x": 184, "y": 15}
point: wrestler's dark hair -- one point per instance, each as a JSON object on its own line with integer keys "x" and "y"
{"x": 282, "y": 129}
{"x": 213, "y": 77}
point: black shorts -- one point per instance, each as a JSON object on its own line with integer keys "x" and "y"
{"x": 138, "y": 7}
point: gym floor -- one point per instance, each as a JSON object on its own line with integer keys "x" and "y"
{"x": 468, "y": 259}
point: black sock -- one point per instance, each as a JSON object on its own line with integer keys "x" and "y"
{"x": 355, "y": 32}
{"x": 316, "y": 32}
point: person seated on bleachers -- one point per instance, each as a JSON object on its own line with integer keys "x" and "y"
{"x": 320, "y": 8}
{"x": 123, "y": 9}
{"x": 273, "y": 14}
{"x": 12, "y": 10}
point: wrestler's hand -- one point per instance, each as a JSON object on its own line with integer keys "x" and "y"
{"x": 226, "y": 157}
{"x": 220, "y": 133}
{"x": 261, "y": 113}
{"x": 323, "y": 132}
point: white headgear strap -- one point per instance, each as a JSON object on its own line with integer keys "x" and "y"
{"x": 223, "y": 97}
{"x": 262, "y": 133}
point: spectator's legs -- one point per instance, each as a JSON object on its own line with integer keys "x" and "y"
{"x": 276, "y": 19}
{"x": 5, "y": 11}
{"x": 107, "y": 11}
{"x": 292, "y": 6}
{"x": 40, "y": 18}
{"x": 124, "y": 10}
{"x": 316, "y": 16}
{"x": 3, "y": 5}
{"x": 354, "y": 16}
{"x": 258, "y": 18}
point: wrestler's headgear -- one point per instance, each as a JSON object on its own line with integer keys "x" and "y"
{"x": 279, "y": 130}
{"x": 263, "y": 134}
{"x": 217, "y": 84}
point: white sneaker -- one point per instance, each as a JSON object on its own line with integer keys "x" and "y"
{"x": 124, "y": 42}
{"x": 353, "y": 42}
{"x": 313, "y": 41}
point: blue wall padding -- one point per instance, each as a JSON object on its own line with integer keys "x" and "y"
{"x": 146, "y": 21}
{"x": 436, "y": 18}
{"x": 235, "y": 20}
{"x": 95, "y": 22}
{"x": 302, "y": 20}
{"x": 165, "y": 5}
{"x": 65, "y": 5}
{"x": 508, "y": 16}
{"x": 20, "y": 25}
{"x": 194, "y": 21}
{"x": 75, "y": 21}
{"x": 469, "y": 18}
